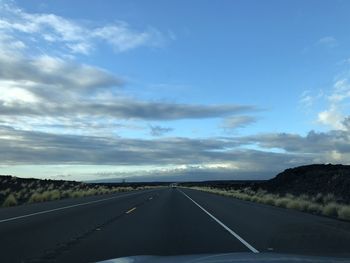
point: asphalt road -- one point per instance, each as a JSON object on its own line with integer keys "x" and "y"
{"x": 162, "y": 221}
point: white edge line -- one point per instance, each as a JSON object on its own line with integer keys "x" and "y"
{"x": 251, "y": 248}
{"x": 130, "y": 210}
{"x": 64, "y": 207}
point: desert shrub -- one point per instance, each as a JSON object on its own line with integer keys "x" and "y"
{"x": 91, "y": 192}
{"x": 282, "y": 202}
{"x": 125, "y": 189}
{"x": 39, "y": 191}
{"x": 247, "y": 197}
{"x": 21, "y": 195}
{"x": 103, "y": 191}
{"x": 76, "y": 194}
{"x": 304, "y": 197}
{"x": 46, "y": 195}
{"x": 318, "y": 198}
{"x": 290, "y": 196}
{"x": 261, "y": 192}
{"x": 248, "y": 191}
{"x": 330, "y": 209}
{"x": 65, "y": 193}
{"x": 268, "y": 200}
{"x": 329, "y": 198}
{"x": 294, "y": 204}
{"x": 255, "y": 199}
{"x": 10, "y": 201}
{"x": 344, "y": 212}
{"x": 36, "y": 197}
{"x": 225, "y": 193}
{"x": 56, "y": 194}
{"x": 53, "y": 195}
{"x": 315, "y": 208}
{"x": 303, "y": 204}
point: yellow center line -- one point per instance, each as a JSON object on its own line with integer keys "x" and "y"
{"x": 132, "y": 209}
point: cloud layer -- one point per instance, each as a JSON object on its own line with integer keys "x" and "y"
{"x": 48, "y": 89}
{"x": 201, "y": 154}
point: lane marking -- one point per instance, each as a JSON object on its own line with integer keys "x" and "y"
{"x": 151, "y": 198}
{"x": 64, "y": 207}
{"x": 129, "y": 211}
{"x": 251, "y": 248}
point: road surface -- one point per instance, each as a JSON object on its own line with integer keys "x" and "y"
{"x": 162, "y": 221}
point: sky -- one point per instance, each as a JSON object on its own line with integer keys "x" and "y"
{"x": 172, "y": 90}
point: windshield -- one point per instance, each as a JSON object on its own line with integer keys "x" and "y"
{"x": 174, "y": 128}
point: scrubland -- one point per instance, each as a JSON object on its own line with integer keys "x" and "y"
{"x": 16, "y": 191}
{"x": 322, "y": 204}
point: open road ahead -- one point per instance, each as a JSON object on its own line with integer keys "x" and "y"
{"x": 162, "y": 221}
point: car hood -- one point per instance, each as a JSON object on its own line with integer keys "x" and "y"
{"x": 225, "y": 258}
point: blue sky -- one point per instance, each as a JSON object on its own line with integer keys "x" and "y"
{"x": 172, "y": 89}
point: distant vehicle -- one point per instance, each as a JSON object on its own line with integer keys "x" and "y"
{"x": 173, "y": 185}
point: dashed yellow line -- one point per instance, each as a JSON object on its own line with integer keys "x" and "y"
{"x": 132, "y": 209}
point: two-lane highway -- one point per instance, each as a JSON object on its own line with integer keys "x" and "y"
{"x": 39, "y": 231}
{"x": 163, "y": 221}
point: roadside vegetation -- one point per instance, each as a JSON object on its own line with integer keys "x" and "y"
{"x": 15, "y": 191}
{"x": 320, "y": 204}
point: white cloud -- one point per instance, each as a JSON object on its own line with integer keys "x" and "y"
{"x": 122, "y": 38}
{"x": 337, "y": 100}
{"x": 341, "y": 90}
{"x": 308, "y": 99}
{"x": 335, "y": 155}
{"x": 50, "y": 77}
{"x": 328, "y": 41}
{"x": 75, "y": 36}
{"x": 11, "y": 93}
{"x": 82, "y": 48}
{"x": 331, "y": 117}
{"x": 10, "y": 46}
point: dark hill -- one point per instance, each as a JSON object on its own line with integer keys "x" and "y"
{"x": 312, "y": 179}
{"x": 309, "y": 179}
